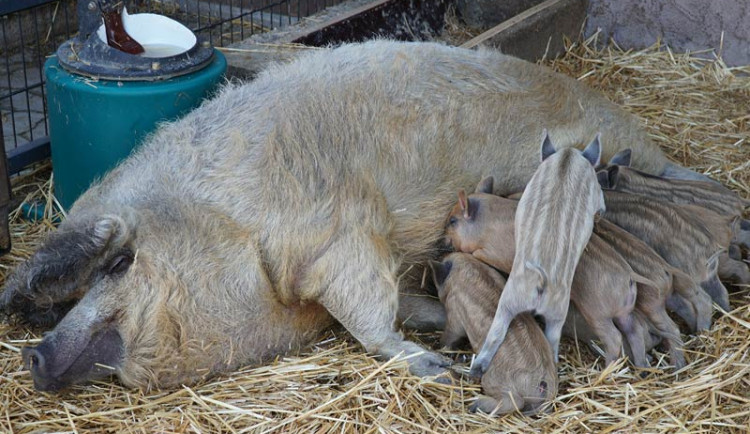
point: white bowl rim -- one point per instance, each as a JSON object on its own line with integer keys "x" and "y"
{"x": 150, "y": 29}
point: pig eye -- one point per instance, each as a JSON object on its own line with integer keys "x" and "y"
{"x": 120, "y": 264}
{"x": 452, "y": 221}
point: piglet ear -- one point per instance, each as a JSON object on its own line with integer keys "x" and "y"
{"x": 463, "y": 203}
{"x": 440, "y": 272}
{"x": 593, "y": 152}
{"x": 621, "y": 158}
{"x": 486, "y": 185}
{"x": 603, "y": 177}
{"x": 613, "y": 176}
{"x": 547, "y": 147}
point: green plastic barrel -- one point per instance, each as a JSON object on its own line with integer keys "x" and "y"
{"x": 96, "y": 124}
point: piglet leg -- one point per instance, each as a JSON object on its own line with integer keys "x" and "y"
{"x": 634, "y": 330}
{"x": 733, "y": 271}
{"x": 609, "y": 335}
{"x": 420, "y": 312}
{"x": 685, "y": 289}
{"x": 553, "y": 331}
{"x": 717, "y": 291}
{"x": 454, "y": 335}
{"x": 495, "y": 337}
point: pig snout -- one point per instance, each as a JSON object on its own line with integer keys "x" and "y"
{"x": 35, "y": 360}
{"x": 55, "y": 366}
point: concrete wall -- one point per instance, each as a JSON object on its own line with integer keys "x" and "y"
{"x": 682, "y": 24}
{"x": 484, "y": 14}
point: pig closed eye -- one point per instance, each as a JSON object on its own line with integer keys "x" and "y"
{"x": 119, "y": 264}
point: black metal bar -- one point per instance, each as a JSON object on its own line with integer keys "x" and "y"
{"x": 7, "y": 66}
{"x": 38, "y": 148}
{"x": 242, "y": 23}
{"x": 19, "y": 91}
{"x": 5, "y": 196}
{"x": 27, "y": 154}
{"x": 25, "y": 78}
{"x": 231, "y": 27}
{"x": 67, "y": 20}
{"x": 40, "y": 67}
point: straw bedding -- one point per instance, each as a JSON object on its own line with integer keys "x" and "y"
{"x": 697, "y": 110}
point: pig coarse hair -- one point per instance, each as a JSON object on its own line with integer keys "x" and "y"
{"x": 281, "y": 204}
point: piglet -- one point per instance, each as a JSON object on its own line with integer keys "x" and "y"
{"x": 553, "y": 223}
{"x": 712, "y": 196}
{"x": 604, "y": 288}
{"x": 675, "y": 289}
{"x": 688, "y": 237}
{"x": 522, "y": 375}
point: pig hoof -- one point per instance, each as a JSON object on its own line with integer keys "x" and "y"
{"x": 476, "y": 371}
{"x": 428, "y": 364}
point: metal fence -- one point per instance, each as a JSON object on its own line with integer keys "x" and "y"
{"x": 33, "y": 29}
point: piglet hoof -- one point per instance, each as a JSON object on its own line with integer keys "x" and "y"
{"x": 643, "y": 373}
{"x": 476, "y": 371}
{"x": 463, "y": 358}
{"x": 678, "y": 361}
{"x": 473, "y": 408}
{"x": 445, "y": 378}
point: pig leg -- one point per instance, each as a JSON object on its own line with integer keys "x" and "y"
{"x": 742, "y": 235}
{"x": 675, "y": 171}
{"x": 360, "y": 291}
{"x": 608, "y": 334}
{"x": 453, "y": 336}
{"x": 733, "y": 271}
{"x": 495, "y": 337}
{"x": 734, "y": 252}
{"x": 420, "y": 312}
{"x": 686, "y": 290}
{"x": 634, "y": 331}
{"x": 509, "y": 403}
{"x": 553, "y": 332}
{"x": 684, "y": 309}
{"x": 669, "y": 333}
{"x": 717, "y": 291}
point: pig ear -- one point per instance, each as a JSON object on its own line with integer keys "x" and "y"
{"x": 540, "y": 271}
{"x": 440, "y": 272}
{"x": 486, "y": 185}
{"x": 621, "y": 158}
{"x": 613, "y": 176}
{"x": 593, "y": 152}
{"x": 55, "y": 275}
{"x": 462, "y": 202}
{"x": 603, "y": 177}
{"x": 472, "y": 207}
{"x": 547, "y": 148}
{"x": 468, "y": 206}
